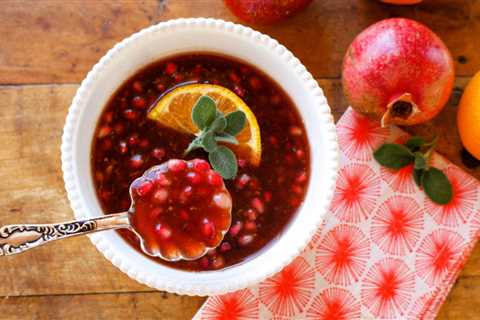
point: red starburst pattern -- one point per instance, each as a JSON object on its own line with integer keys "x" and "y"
{"x": 461, "y": 206}
{"x": 334, "y": 304}
{"x": 399, "y": 180}
{"x": 239, "y": 305}
{"x": 358, "y": 189}
{"x": 288, "y": 292}
{"x": 387, "y": 288}
{"x": 342, "y": 255}
{"x": 397, "y": 225}
{"x": 358, "y": 135}
{"x": 437, "y": 255}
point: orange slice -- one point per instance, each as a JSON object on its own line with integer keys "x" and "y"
{"x": 174, "y": 110}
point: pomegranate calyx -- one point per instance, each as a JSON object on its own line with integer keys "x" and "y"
{"x": 399, "y": 110}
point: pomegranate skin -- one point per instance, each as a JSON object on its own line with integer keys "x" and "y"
{"x": 399, "y": 71}
{"x": 265, "y": 11}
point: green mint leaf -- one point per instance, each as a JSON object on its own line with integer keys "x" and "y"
{"x": 432, "y": 143}
{"x": 417, "y": 176}
{"x": 208, "y": 142}
{"x": 235, "y": 122}
{"x": 394, "y": 156}
{"x": 436, "y": 186}
{"x": 225, "y": 137}
{"x": 420, "y": 161}
{"x": 223, "y": 161}
{"x": 219, "y": 124}
{"x": 195, "y": 144}
{"x": 415, "y": 143}
{"x": 204, "y": 111}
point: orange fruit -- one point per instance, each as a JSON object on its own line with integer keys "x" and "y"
{"x": 174, "y": 110}
{"x": 468, "y": 118}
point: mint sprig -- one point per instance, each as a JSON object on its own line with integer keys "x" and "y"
{"x": 216, "y": 127}
{"x": 417, "y": 151}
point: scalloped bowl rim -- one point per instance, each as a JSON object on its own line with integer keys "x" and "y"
{"x": 189, "y": 35}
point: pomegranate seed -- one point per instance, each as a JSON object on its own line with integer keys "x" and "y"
{"x": 214, "y": 179}
{"x": 204, "y": 263}
{"x": 144, "y": 188}
{"x": 289, "y": 159}
{"x": 137, "y": 86}
{"x": 273, "y": 141}
{"x": 236, "y": 228}
{"x": 242, "y": 181}
{"x": 297, "y": 189}
{"x": 250, "y": 226}
{"x": 294, "y": 202}
{"x": 119, "y": 128}
{"x": 160, "y": 87}
{"x": 178, "y": 77}
{"x": 255, "y": 83}
{"x": 244, "y": 70}
{"x": 155, "y": 213}
{"x": 258, "y": 205}
{"x": 218, "y": 262}
{"x": 183, "y": 214}
{"x": 144, "y": 143}
{"x": 200, "y": 165}
{"x": 234, "y": 77}
{"x": 222, "y": 200}
{"x": 171, "y": 68}
{"x": 242, "y": 163}
{"x": 133, "y": 139}
{"x": 251, "y": 215}
{"x": 212, "y": 252}
{"x": 300, "y": 154}
{"x": 225, "y": 246}
{"x": 106, "y": 195}
{"x": 245, "y": 240}
{"x": 125, "y": 204}
{"x": 185, "y": 194}
{"x": 158, "y": 153}
{"x": 108, "y": 117}
{"x": 160, "y": 196}
{"x": 202, "y": 192}
{"x": 254, "y": 184}
{"x": 107, "y": 145}
{"x": 130, "y": 114}
{"x": 267, "y": 196}
{"x": 208, "y": 229}
{"x": 302, "y": 177}
{"x": 194, "y": 178}
{"x": 275, "y": 100}
{"x": 104, "y": 131}
{"x": 136, "y": 161}
{"x": 239, "y": 91}
{"x": 295, "y": 131}
{"x": 139, "y": 102}
{"x": 122, "y": 147}
{"x": 163, "y": 231}
{"x": 198, "y": 69}
{"x": 162, "y": 180}
{"x": 176, "y": 165}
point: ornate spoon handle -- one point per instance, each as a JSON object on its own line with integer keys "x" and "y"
{"x": 17, "y": 238}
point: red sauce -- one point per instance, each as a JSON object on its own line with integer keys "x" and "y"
{"x": 264, "y": 198}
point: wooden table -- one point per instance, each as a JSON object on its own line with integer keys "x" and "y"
{"x": 47, "y": 47}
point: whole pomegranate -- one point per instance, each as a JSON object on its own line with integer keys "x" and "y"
{"x": 399, "y": 71}
{"x": 265, "y": 11}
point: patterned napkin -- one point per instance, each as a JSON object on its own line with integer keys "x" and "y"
{"x": 384, "y": 251}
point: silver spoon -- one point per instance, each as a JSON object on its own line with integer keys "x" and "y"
{"x": 19, "y": 238}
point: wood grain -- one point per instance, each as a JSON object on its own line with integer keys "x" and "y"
{"x": 117, "y": 306}
{"x": 72, "y": 274}
{"x": 57, "y": 42}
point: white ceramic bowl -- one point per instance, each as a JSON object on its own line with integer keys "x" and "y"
{"x": 193, "y": 35}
